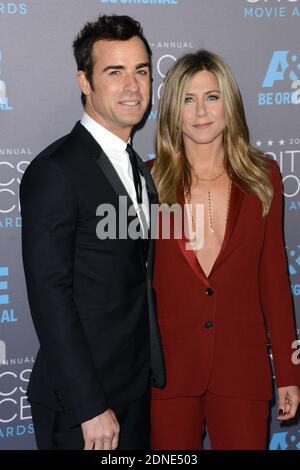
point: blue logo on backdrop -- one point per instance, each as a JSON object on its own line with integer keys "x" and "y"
{"x": 4, "y": 103}
{"x": 4, "y": 298}
{"x": 285, "y": 441}
{"x": 141, "y": 2}
{"x": 7, "y": 314}
{"x": 281, "y": 83}
{"x": 12, "y": 8}
{"x": 271, "y": 9}
{"x": 294, "y": 268}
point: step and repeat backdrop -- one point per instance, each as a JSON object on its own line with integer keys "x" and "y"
{"x": 40, "y": 101}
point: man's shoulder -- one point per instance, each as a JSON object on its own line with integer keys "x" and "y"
{"x": 44, "y": 165}
{"x": 61, "y": 148}
{"x": 60, "y": 154}
{"x": 53, "y": 148}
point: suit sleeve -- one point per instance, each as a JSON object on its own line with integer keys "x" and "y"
{"x": 275, "y": 290}
{"x": 49, "y": 216}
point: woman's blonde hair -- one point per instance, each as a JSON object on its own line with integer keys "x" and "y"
{"x": 171, "y": 170}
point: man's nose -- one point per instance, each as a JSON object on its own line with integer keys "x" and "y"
{"x": 131, "y": 83}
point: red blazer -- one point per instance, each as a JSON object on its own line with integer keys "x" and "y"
{"x": 213, "y": 329}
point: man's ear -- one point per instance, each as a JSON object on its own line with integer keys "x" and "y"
{"x": 83, "y": 83}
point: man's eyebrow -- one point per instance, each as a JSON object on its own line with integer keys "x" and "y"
{"x": 122, "y": 67}
{"x": 143, "y": 65}
{"x": 114, "y": 67}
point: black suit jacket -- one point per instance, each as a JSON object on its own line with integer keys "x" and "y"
{"x": 91, "y": 300}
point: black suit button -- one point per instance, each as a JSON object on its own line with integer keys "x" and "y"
{"x": 208, "y": 324}
{"x": 209, "y": 291}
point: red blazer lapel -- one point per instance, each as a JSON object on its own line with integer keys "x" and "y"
{"x": 188, "y": 253}
{"x": 235, "y": 203}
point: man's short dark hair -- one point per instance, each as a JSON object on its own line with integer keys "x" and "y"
{"x": 107, "y": 27}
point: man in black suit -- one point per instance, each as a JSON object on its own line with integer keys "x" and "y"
{"x": 89, "y": 290}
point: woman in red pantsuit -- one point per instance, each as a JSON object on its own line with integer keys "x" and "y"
{"x": 217, "y": 301}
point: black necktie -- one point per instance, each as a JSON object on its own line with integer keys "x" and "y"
{"x": 135, "y": 172}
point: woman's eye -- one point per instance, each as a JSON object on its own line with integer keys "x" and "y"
{"x": 188, "y": 99}
{"x": 213, "y": 97}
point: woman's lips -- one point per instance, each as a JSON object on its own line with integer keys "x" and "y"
{"x": 203, "y": 126}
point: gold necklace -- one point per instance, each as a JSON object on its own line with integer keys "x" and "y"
{"x": 210, "y": 217}
{"x": 211, "y": 179}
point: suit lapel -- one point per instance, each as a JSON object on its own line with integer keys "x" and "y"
{"x": 144, "y": 170}
{"x": 153, "y": 200}
{"x": 93, "y": 149}
{"x": 111, "y": 175}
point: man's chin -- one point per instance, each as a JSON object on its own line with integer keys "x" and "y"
{"x": 133, "y": 121}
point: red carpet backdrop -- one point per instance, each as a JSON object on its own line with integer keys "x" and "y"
{"x": 40, "y": 101}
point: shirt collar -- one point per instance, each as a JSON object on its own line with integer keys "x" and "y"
{"x": 111, "y": 144}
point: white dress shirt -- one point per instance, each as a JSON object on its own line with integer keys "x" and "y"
{"x": 115, "y": 149}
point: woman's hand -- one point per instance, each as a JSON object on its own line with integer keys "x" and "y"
{"x": 288, "y": 401}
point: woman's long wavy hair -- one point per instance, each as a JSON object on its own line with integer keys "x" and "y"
{"x": 244, "y": 164}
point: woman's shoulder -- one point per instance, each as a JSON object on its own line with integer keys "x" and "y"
{"x": 274, "y": 170}
{"x": 272, "y": 164}
{"x": 150, "y": 164}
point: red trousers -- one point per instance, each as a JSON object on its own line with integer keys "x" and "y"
{"x": 232, "y": 423}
